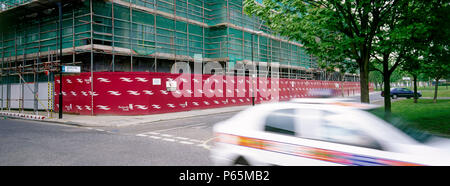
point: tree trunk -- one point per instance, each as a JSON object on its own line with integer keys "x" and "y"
{"x": 429, "y": 82}
{"x": 387, "y": 88}
{"x": 364, "y": 80}
{"x": 415, "y": 88}
{"x": 436, "y": 86}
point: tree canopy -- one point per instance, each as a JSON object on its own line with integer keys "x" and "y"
{"x": 364, "y": 32}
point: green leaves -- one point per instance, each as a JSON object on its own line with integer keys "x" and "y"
{"x": 359, "y": 32}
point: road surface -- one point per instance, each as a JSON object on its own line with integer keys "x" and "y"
{"x": 172, "y": 142}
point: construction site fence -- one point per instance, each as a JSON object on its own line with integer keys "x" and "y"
{"x": 140, "y": 93}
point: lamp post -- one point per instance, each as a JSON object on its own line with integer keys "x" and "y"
{"x": 254, "y": 75}
{"x": 60, "y": 62}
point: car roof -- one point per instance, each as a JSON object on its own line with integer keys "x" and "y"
{"x": 339, "y": 102}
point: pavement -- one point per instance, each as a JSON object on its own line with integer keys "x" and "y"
{"x": 123, "y": 121}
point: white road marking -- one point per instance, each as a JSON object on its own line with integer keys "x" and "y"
{"x": 163, "y": 130}
{"x": 181, "y": 138}
{"x": 194, "y": 140}
{"x": 200, "y": 127}
{"x": 204, "y": 144}
{"x": 186, "y": 142}
{"x": 169, "y": 139}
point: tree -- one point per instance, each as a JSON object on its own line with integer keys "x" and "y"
{"x": 438, "y": 66}
{"x": 436, "y": 55}
{"x": 345, "y": 66}
{"x": 376, "y": 78}
{"x": 405, "y": 30}
{"x": 335, "y": 29}
{"x": 413, "y": 67}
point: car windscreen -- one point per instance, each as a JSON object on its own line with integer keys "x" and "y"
{"x": 402, "y": 125}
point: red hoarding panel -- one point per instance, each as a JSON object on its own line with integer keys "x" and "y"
{"x": 140, "y": 93}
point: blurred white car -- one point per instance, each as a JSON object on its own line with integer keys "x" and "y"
{"x": 322, "y": 132}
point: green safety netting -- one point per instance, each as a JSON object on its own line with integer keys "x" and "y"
{"x": 183, "y": 28}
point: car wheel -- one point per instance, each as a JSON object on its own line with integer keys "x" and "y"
{"x": 394, "y": 96}
{"x": 241, "y": 162}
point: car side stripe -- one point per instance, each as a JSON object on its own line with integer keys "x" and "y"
{"x": 308, "y": 152}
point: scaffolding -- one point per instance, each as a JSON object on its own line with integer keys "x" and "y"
{"x": 137, "y": 35}
{"x": 9, "y": 4}
{"x": 172, "y": 30}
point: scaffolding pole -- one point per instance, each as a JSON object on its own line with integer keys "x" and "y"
{"x": 131, "y": 37}
{"x": 92, "y": 56}
{"x": 113, "y": 38}
{"x": 155, "y": 30}
{"x": 1, "y": 77}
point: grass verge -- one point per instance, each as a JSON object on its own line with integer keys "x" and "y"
{"x": 429, "y": 91}
{"x": 424, "y": 115}
{"x": 443, "y": 91}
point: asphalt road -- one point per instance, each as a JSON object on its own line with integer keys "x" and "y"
{"x": 37, "y": 143}
{"x": 172, "y": 142}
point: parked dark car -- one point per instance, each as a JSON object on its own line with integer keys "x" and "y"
{"x": 402, "y": 92}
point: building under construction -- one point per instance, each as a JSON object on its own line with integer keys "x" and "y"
{"x": 132, "y": 36}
